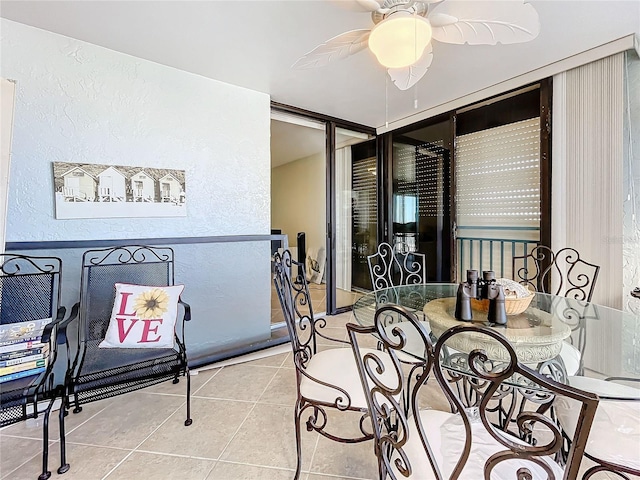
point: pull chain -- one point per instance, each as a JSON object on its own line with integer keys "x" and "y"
{"x": 386, "y": 100}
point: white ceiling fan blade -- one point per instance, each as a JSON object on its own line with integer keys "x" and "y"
{"x": 406, "y": 77}
{"x": 441, "y": 20}
{"x": 359, "y": 5}
{"x": 368, "y": 5}
{"x": 336, "y": 48}
{"x": 486, "y": 23}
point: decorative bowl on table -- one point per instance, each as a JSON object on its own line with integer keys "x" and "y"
{"x": 517, "y": 298}
{"x": 535, "y": 335}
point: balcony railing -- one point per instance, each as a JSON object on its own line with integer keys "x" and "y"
{"x": 489, "y": 250}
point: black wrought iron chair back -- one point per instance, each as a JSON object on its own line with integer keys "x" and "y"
{"x": 296, "y": 307}
{"x": 396, "y": 265}
{"x": 429, "y": 443}
{"x": 576, "y": 278}
{"x": 326, "y": 379}
{"x": 30, "y": 290}
{"x": 96, "y": 373}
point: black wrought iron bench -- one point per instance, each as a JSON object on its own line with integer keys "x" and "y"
{"x": 29, "y": 293}
{"x": 95, "y": 373}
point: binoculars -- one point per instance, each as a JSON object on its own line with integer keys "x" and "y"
{"x": 481, "y": 289}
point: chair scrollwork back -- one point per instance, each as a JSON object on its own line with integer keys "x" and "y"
{"x": 571, "y": 275}
{"x": 396, "y": 265}
{"x": 406, "y": 444}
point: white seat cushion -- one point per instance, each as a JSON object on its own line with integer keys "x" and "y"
{"x": 570, "y": 356}
{"x": 337, "y": 366}
{"x": 615, "y": 433}
{"x": 445, "y": 433}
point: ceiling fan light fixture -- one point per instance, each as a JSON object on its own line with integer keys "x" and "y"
{"x": 399, "y": 40}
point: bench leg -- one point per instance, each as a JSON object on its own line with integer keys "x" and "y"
{"x": 188, "y": 421}
{"x": 64, "y": 466}
{"x": 78, "y": 408}
{"x": 45, "y": 443}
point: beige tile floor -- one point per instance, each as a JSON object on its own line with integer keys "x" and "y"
{"x": 242, "y": 430}
{"x": 318, "y": 294}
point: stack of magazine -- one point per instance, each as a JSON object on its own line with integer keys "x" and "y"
{"x": 22, "y": 354}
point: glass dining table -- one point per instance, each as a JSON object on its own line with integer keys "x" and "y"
{"x": 589, "y": 346}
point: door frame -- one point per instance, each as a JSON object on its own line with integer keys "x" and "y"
{"x": 331, "y": 123}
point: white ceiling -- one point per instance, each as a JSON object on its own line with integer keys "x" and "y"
{"x": 253, "y": 44}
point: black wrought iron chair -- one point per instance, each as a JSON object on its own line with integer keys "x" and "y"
{"x": 95, "y": 373}
{"x": 562, "y": 273}
{"x": 326, "y": 379}
{"x": 574, "y": 277}
{"x": 432, "y": 444}
{"x": 29, "y": 291}
{"x": 396, "y": 265}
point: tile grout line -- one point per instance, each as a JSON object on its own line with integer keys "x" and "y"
{"x": 203, "y": 385}
{"x": 53, "y": 442}
{"x": 210, "y": 470}
{"x": 131, "y": 451}
{"x": 222, "y": 399}
{"x": 157, "y": 428}
{"x": 27, "y": 461}
{"x": 268, "y": 467}
{"x": 145, "y": 439}
{"x": 246, "y": 417}
{"x": 313, "y": 455}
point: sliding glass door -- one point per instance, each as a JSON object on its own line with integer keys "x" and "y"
{"x": 420, "y": 202}
{"x": 356, "y": 211}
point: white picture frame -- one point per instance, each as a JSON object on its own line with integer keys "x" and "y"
{"x": 85, "y": 190}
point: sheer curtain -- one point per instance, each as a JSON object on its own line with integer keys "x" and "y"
{"x": 343, "y": 218}
{"x": 588, "y": 159}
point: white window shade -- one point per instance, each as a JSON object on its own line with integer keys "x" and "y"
{"x": 498, "y": 176}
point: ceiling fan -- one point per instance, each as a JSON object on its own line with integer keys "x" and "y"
{"x": 403, "y": 30}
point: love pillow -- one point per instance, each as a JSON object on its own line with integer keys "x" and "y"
{"x": 143, "y": 317}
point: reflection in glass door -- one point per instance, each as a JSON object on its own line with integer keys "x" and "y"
{"x": 421, "y": 207}
{"x": 356, "y": 213}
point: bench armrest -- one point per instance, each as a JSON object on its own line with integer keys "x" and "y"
{"x": 62, "y": 328}
{"x": 46, "y": 332}
{"x": 187, "y": 310}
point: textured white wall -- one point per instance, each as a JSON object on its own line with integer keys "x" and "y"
{"x": 78, "y": 102}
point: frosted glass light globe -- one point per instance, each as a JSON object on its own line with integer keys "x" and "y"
{"x": 399, "y": 40}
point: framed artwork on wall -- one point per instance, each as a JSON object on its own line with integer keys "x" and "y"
{"x": 114, "y": 191}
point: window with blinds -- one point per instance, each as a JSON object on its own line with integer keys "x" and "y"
{"x": 364, "y": 205}
{"x": 498, "y": 176}
{"x": 498, "y": 195}
{"x": 421, "y": 195}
